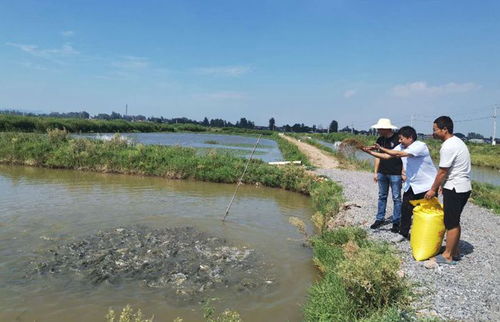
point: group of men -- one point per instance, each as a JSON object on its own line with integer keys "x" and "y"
{"x": 404, "y": 163}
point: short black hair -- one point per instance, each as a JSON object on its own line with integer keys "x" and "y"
{"x": 444, "y": 122}
{"x": 408, "y": 132}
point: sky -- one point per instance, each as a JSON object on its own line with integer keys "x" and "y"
{"x": 303, "y": 61}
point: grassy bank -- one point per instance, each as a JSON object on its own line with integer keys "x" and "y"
{"x": 486, "y": 195}
{"x": 37, "y": 124}
{"x": 360, "y": 279}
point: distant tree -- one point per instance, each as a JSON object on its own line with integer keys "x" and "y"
{"x": 271, "y": 123}
{"x": 473, "y": 135}
{"x": 314, "y": 128}
{"x": 115, "y": 116}
{"x": 103, "y": 116}
{"x": 459, "y": 135}
{"x": 287, "y": 128}
{"x": 334, "y": 126}
{"x": 205, "y": 122}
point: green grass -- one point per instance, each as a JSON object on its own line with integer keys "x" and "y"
{"x": 486, "y": 195}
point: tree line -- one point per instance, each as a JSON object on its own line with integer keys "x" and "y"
{"x": 243, "y": 122}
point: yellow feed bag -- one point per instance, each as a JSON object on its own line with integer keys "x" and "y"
{"x": 427, "y": 229}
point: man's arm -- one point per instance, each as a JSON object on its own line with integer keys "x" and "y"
{"x": 379, "y": 155}
{"x": 393, "y": 153}
{"x": 438, "y": 181}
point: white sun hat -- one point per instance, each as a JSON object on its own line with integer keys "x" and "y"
{"x": 384, "y": 124}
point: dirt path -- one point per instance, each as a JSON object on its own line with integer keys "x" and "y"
{"x": 317, "y": 157}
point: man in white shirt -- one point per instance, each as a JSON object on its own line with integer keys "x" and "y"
{"x": 420, "y": 172}
{"x": 454, "y": 177}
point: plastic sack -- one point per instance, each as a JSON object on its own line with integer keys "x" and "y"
{"x": 427, "y": 230}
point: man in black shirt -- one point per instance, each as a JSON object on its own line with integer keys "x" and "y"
{"x": 388, "y": 173}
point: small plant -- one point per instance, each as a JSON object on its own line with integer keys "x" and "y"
{"x": 127, "y": 315}
{"x": 209, "y": 313}
{"x": 57, "y": 135}
{"x": 211, "y": 142}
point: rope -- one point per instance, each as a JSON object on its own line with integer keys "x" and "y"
{"x": 241, "y": 178}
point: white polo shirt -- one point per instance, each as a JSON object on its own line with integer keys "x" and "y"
{"x": 420, "y": 171}
{"x": 455, "y": 156}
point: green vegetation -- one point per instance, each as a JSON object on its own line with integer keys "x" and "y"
{"x": 20, "y": 123}
{"x": 58, "y": 150}
{"x": 486, "y": 195}
{"x": 290, "y": 151}
{"x": 361, "y": 280}
{"x": 339, "y": 137}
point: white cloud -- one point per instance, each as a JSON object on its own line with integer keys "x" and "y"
{"x": 67, "y": 33}
{"x": 422, "y": 89}
{"x": 65, "y": 50}
{"x": 132, "y": 62}
{"x": 231, "y": 71}
{"x": 349, "y": 93}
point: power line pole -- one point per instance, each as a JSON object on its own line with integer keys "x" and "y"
{"x": 126, "y": 109}
{"x": 493, "y": 138}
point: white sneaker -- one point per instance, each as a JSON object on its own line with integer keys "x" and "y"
{"x": 399, "y": 238}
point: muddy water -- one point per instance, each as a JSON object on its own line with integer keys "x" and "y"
{"x": 41, "y": 208}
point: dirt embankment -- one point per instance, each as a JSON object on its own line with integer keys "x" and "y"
{"x": 317, "y": 157}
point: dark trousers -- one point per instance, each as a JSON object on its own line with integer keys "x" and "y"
{"x": 407, "y": 211}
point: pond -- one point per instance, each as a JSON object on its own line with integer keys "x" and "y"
{"x": 267, "y": 149}
{"x": 480, "y": 174}
{"x": 43, "y": 208}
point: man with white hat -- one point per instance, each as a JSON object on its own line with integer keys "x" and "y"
{"x": 387, "y": 173}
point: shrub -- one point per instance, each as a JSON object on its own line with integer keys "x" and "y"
{"x": 370, "y": 276}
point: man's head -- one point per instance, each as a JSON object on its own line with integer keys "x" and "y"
{"x": 385, "y": 132}
{"x": 442, "y": 128}
{"x": 407, "y": 135}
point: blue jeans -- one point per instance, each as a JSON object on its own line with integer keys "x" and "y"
{"x": 384, "y": 181}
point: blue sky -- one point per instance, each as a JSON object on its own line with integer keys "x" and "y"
{"x": 297, "y": 61}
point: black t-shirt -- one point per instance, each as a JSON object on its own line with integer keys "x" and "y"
{"x": 391, "y": 166}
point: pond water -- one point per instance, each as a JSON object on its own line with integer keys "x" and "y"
{"x": 42, "y": 208}
{"x": 267, "y": 150}
{"x": 480, "y": 174}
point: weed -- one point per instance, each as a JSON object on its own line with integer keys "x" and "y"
{"x": 127, "y": 315}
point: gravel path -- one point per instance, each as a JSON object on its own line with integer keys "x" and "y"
{"x": 469, "y": 291}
